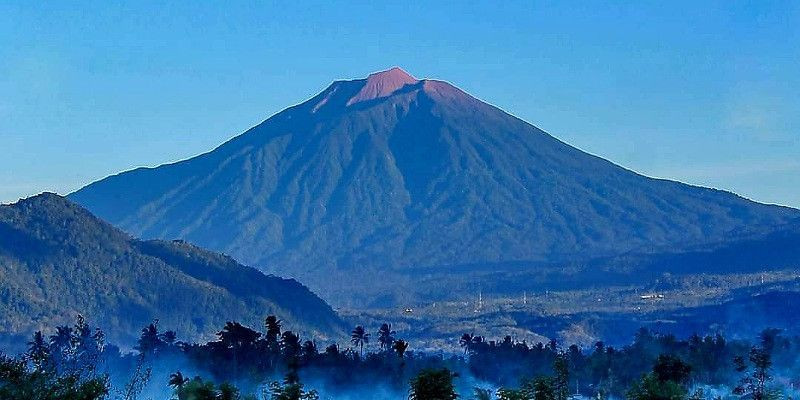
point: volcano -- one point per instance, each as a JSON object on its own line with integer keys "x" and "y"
{"x": 375, "y": 178}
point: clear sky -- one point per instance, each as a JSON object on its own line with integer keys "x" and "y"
{"x": 703, "y": 92}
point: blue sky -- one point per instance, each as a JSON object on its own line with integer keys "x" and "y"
{"x": 702, "y": 92}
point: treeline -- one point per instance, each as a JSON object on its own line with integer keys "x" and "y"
{"x": 272, "y": 363}
{"x": 652, "y": 367}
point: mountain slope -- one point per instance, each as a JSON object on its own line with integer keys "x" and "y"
{"x": 778, "y": 249}
{"x": 57, "y": 260}
{"x": 391, "y": 172}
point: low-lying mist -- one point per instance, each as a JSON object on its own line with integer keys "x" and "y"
{"x": 272, "y": 363}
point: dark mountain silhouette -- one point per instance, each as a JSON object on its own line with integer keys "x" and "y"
{"x": 392, "y": 173}
{"x": 57, "y": 260}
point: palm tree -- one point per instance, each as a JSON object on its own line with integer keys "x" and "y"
{"x": 466, "y": 342}
{"x": 273, "y": 325}
{"x": 290, "y": 342}
{"x": 61, "y": 346}
{"x": 386, "y": 336}
{"x": 400, "y": 347}
{"x": 359, "y": 337}
{"x": 177, "y": 381}
{"x": 63, "y": 337}
{"x": 149, "y": 342}
{"x": 38, "y": 351}
{"x": 169, "y": 337}
{"x": 235, "y": 337}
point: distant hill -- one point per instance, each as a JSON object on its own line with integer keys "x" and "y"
{"x": 376, "y": 177}
{"x": 748, "y": 253}
{"x": 57, "y": 260}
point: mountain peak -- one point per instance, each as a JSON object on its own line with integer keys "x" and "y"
{"x": 393, "y": 73}
{"x": 44, "y": 198}
{"x": 382, "y": 84}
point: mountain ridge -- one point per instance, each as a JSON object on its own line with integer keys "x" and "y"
{"x": 426, "y": 175}
{"x": 57, "y": 260}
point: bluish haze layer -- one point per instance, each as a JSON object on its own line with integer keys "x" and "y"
{"x": 703, "y": 93}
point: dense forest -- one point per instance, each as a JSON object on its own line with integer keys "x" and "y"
{"x": 75, "y": 362}
{"x": 50, "y": 246}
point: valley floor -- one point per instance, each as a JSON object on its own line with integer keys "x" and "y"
{"x": 686, "y": 304}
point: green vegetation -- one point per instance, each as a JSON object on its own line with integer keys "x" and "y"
{"x": 57, "y": 260}
{"x": 18, "y": 382}
{"x": 431, "y": 384}
{"x": 243, "y": 363}
{"x": 667, "y": 381}
{"x": 64, "y": 367}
